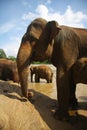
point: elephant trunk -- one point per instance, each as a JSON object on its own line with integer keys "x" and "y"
{"x": 23, "y": 61}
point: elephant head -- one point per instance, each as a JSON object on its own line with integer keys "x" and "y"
{"x": 44, "y": 47}
{"x": 37, "y": 44}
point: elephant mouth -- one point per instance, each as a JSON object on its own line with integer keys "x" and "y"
{"x": 38, "y": 57}
{"x": 34, "y": 57}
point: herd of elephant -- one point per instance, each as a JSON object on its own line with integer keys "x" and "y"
{"x": 66, "y": 48}
{"x": 8, "y": 71}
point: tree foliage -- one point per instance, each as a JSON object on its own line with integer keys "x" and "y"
{"x": 44, "y": 62}
{"x": 12, "y": 58}
{"x": 2, "y": 54}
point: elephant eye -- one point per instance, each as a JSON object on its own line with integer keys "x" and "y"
{"x": 32, "y": 38}
{"x": 38, "y": 25}
{"x": 28, "y": 37}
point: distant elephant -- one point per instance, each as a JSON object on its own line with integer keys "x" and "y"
{"x": 8, "y": 70}
{"x": 63, "y": 45}
{"x": 41, "y": 71}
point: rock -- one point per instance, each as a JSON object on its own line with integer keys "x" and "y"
{"x": 18, "y": 114}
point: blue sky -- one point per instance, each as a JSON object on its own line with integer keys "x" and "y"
{"x": 16, "y": 15}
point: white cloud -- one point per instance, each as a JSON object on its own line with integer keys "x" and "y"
{"x": 11, "y": 51}
{"x": 42, "y": 11}
{"x": 24, "y": 2}
{"x": 48, "y": 1}
{"x": 29, "y": 16}
{"x": 73, "y": 18}
{"x": 69, "y": 17}
{"x": 11, "y": 48}
{"x": 6, "y": 27}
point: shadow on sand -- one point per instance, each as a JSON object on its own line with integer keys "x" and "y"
{"x": 11, "y": 90}
{"x": 45, "y": 106}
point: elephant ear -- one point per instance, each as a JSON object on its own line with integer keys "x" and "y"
{"x": 54, "y": 29}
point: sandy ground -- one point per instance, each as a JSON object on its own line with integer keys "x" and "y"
{"x": 38, "y": 114}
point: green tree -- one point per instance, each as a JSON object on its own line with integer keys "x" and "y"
{"x": 2, "y": 54}
{"x": 12, "y": 58}
{"x": 44, "y": 62}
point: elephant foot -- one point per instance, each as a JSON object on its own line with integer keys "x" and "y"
{"x": 73, "y": 104}
{"x": 61, "y": 115}
{"x": 30, "y": 95}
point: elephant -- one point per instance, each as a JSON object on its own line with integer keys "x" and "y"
{"x": 79, "y": 71}
{"x": 63, "y": 46}
{"x": 8, "y": 70}
{"x": 79, "y": 75}
{"x": 41, "y": 71}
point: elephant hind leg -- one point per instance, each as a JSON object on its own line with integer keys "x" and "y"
{"x": 49, "y": 80}
{"x": 37, "y": 79}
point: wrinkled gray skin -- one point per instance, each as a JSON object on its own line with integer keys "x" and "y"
{"x": 63, "y": 46}
{"x": 41, "y": 71}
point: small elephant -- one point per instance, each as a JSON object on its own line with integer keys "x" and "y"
{"x": 79, "y": 75}
{"x": 41, "y": 71}
{"x": 63, "y": 45}
{"x": 8, "y": 70}
{"x": 79, "y": 71}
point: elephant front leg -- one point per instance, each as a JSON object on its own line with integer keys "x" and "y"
{"x": 31, "y": 77}
{"x": 63, "y": 94}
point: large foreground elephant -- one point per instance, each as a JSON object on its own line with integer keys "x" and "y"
{"x": 41, "y": 71}
{"x": 63, "y": 45}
